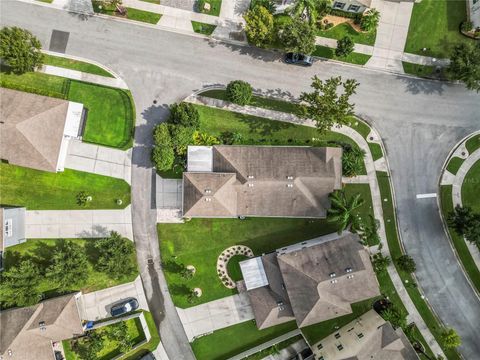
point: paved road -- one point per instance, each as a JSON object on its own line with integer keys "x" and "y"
{"x": 419, "y": 120}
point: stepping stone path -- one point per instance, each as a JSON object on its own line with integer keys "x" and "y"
{"x": 223, "y": 260}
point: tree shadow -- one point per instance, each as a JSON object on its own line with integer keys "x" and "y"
{"x": 252, "y": 51}
{"x": 264, "y": 127}
{"x": 179, "y": 289}
{"x": 91, "y": 251}
{"x": 277, "y": 93}
{"x": 42, "y": 254}
{"x": 172, "y": 266}
{"x": 416, "y": 85}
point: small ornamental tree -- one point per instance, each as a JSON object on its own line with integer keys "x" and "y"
{"x": 239, "y": 92}
{"x": 451, "y": 339}
{"x": 380, "y": 262}
{"x": 20, "y": 49}
{"x": 115, "y": 256}
{"x": 465, "y": 65}
{"x": 342, "y": 210}
{"x": 370, "y": 20}
{"x": 344, "y": 46}
{"x": 406, "y": 263}
{"x": 352, "y": 161}
{"x": 163, "y": 155}
{"x": 181, "y": 138}
{"x": 259, "y": 26}
{"x": 396, "y": 316}
{"x": 184, "y": 114}
{"x": 297, "y": 36}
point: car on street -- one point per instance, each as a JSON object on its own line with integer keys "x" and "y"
{"x": 298, "y": 59}
{"x": 124, "y": 307}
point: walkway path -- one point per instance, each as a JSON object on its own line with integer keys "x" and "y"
{"x": 218, "y": 314}
{"x": 99, "y": 160}
{"x": 58, "y": 224}
{"x": 413, "y": 314}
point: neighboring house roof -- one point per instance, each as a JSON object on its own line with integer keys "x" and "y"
{"x": 315, "y": 280}
{"x": 32, "y": 128}
{"x": 282, "y": 181}
{"x": 31, "y": 330}
{"x": 365, "y": 338}
{"x": 16, "y": 218}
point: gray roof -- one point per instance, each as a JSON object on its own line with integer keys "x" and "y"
{"x": 282, "y": 181}
{"x": 32, "y": 128}
{"x": 23, "y": 336}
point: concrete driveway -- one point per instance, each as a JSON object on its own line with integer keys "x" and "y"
{"x": 96, "y": 305}
{"x": 214, "y": 315}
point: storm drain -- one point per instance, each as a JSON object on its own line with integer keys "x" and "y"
{"x": 59, "y": 41}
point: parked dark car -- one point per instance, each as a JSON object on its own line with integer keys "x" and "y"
{"x": 298, "y": 59}
{"x": 124, "y": 307}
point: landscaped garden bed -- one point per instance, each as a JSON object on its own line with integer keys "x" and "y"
{"x": 103, "y": 7}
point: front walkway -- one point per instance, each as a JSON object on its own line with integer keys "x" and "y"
{"x": 96, "y": 305}
{"x": 413, "y": 314}
{"x": 206, "y": 318}
{"x": 65, "y": 224}
{"x": 99, "y": 160}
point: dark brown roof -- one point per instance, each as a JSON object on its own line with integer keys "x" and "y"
{"x": 283, "y": 181}
{"x": 32, "y": 128}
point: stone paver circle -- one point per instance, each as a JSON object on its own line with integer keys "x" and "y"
{"x": 224, "y": 258}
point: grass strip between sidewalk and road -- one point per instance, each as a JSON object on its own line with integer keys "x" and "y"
{"x": 329, "y": 53}
{"x": 131, "y": 13}
{"x": 418, "y": 70}
{"x": 75, "y": 65}
{"x": 202, "y": 28}
{"x": 345, "y": 29}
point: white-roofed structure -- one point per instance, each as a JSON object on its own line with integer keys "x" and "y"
{"x": 200, "y": 159}
{"x": 253, "y": 273}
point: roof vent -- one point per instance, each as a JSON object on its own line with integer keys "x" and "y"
{"x": 289, "y": 185}
{"x": 334, "y": 281}
{"x": 348, "y": 270}
{"x": 41, "y": 324}
{"x": 350, "y": 276}
{"x": 280, "y": 305}
{"x": 208, "y": 199}
{"x": 289, "y": 177}
{"x": 250, "y": 185}
{"x": 332, "y": 275}
{"x": 250, "y": 177}
{"x": 208, "y": 191}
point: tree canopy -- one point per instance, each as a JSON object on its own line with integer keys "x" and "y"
{"x": 259, "y": 26}
{"x": 344, "y": 46}
{"x": 19, "y": 284}
{"x": 20, "y": 49}
{"x": 297, "y": 36}
{"x": 342, "y": 210}
{"x": 465, "y": 65}
{"x": 115, "y": 255}
{"x": 184, "y": 114}
{"x": 239, "y": 92}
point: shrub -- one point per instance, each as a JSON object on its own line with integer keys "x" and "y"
{"x": 204, "y": 139}
{"x": 396, "y": 317}
{"x": 82, "y": 198}
{"x": 451, "y": 339}
{"x": 115, "y": 255}
{"x": 163, "y": 158}
{"x": 467, "y": 26}
{"x": 344, "y": 46}
{"x": 20, "y": 49}
{"x": 161, "y": 135}
{"x": 337, "y": 12}
{"x": 184, "y": 114}
{"x": 370, "y": 20}
{"x": 239, "y": 92}
{"x": 267, "y": 4}
{"x": 380, "y": 262}
{"x": 352, "y": 161}
{"x": 259, "y": 26}
{"x": 181, "y": 137}
{"x": 406, "y": 263}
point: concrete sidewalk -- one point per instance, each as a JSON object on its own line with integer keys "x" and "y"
{"x": 65, "y": 224}
{"x": 218, "y": 314}
{"x": 413, "y": 314}
{"x": 99, "y": 160}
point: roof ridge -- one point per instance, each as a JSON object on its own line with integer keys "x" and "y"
{"x": 237, "y": 172}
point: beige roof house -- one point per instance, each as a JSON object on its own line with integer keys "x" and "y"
{"x": 273, "y": 181}
{"x": 310, "y": 282}
{"x": 365, "y": 338}
{"x": 28, "y": 333}
{"x": 34, "y": 129}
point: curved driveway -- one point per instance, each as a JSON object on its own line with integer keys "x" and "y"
{"x": 419, "y": 120}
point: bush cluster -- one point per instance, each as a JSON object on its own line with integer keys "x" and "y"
{"x": 239, "y": 92}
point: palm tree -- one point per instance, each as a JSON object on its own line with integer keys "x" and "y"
{"x": 342, "y": 210}
{"x": 307, "y": 8}
{"x": 370, "y": 20}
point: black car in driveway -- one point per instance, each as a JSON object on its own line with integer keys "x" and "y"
{"x": 124, "y": 307}
{"x": 298, "y": 59}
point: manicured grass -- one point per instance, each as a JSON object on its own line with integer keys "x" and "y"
{"x": 132, "y": 13}
{"x": 152, "y": 1}
{"x": 148, "y": 347}
{"x": 274, "y": 349}
{"x": 259, "y": 101}
{"x": 225, "y": 343}
{"x": 434, "y": 25}
{"x": 376, "y": 151}
{"x": 41, "y": 251}
{"x": 345, "y": 29}
{"x": 423, "y": 308}
{"x": 41, "y": 190}
{"x": 233, "y": 267}
{"x": 201, "y": 28}
{"x": 473, "y": 143}
{"x": 471, "y": 188}
{"x": 459, "y": 243}
{"x": 366, "y": 209}
{"x": 75, "y": 65}
{"x": 110, "y": 348}
{"x": 329, "y": 53}
{"x": 215, "y": 6}
{"x": 111, "y": 113}
{"x": 418, "y": 70}
{"x": 110, "y": 117}
{"x": 454, "y": 164}
{"x": 199, "y": 242}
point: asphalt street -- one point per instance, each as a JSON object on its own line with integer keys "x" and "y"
{"x": 419, "y": 120}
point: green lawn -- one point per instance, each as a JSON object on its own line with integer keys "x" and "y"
{"x": 215, "y": 6}
{"x": 435, "y": 25}
{"x": 132, "y": 13}
{"x": 225, "y": 343}
{"x": 111, "y": 113}
{"x": 454, "y": 164}
{"x": 395, "y": 251}
{"x": 376, "y": 151}
{"x": 461, "y": 247}
{"x": 41, "y": 251}
{"x": 152, "y": 1}
{"x": 473, "y": 143}
{"x": 110, "y": 348}
{"x": 201, "y": 28}
{"x": 364, "y": 190}
{"x": 41, "y": 190}
{"x": 199, "y": 242}
{"x": 75, "y": 65}
{"x": 471, "y": 188}
{"x": 274, "y": 349}
{"x": 147, "y": 347}
{"x": 233, "y": 267}
{"x": 329, "y": 53}
{"x": 345, "y": 29}
{"x": 418, "y": 70}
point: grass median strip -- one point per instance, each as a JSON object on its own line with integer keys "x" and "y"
{"x": 202, "y": 28}
{"x": 418, "y": 70}
{"x": 345, "y": 29}
{"x": 329, "y": 53}
{"x": 75, "y": 65}
{"x": 454, "y": 164}
{"x": 131, "y": 13}
{"x": 41, "y": 190}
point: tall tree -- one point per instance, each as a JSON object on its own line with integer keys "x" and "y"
{"x": 19, "y": 284}
{"x": 465, "y": 64}
{"x": 307, "y": 9}
{"x": 119, "y": 333}
{"x": 342, "y": 210}
{"x": 20, "y": 49}
{"x": 297, "y": 36}
{"x": 69, "y": 266}
{"x": 325, "y": 106}
{"x": 259, "y": 26}
{"x": 115, "y": 255}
